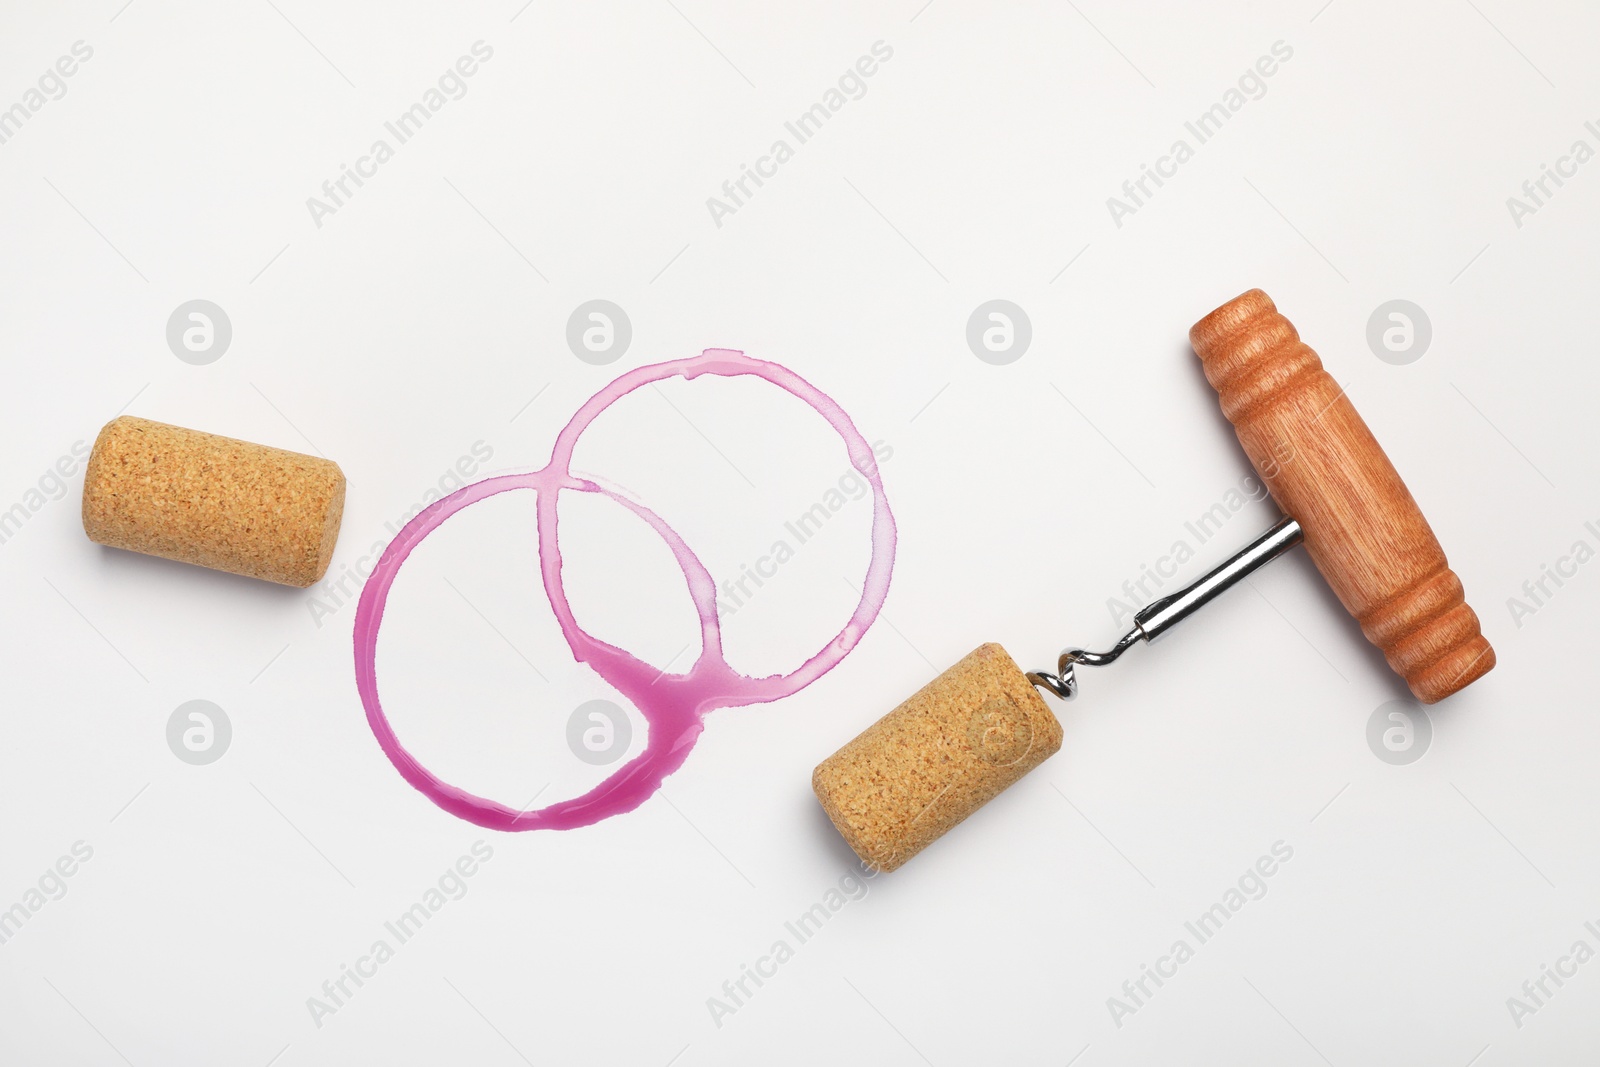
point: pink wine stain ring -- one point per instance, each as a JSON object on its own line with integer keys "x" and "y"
{"x": 674, "y": 705}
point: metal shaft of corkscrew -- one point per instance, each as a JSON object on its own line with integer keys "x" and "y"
{"x": 1160, "y": 616}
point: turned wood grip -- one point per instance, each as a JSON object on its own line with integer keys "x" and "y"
{"x": 1326, "y": 471}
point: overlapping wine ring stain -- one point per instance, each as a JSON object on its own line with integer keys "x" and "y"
{"x": 674, "y": 705}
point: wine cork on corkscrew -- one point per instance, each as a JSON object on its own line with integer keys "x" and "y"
{"x": 1326, "y": 471}
{"x": 938, "y": 757}
{"x": 213, "y": 501}
{"x": 982, "y": 725}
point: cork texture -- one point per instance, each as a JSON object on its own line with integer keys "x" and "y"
{"x": 212, "y": 501}
{"x": 937, "y": 758}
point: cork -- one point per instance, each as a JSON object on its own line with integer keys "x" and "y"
{"x": 937, "y": 758}
{"x": 212, "y": 501}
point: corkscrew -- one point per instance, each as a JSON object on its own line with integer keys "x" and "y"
{"x": 981, "y": 725}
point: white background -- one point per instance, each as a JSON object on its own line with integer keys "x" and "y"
{"x": 425, "y": 314}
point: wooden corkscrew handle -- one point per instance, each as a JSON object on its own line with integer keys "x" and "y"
{"x": 1327, "y": 472}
